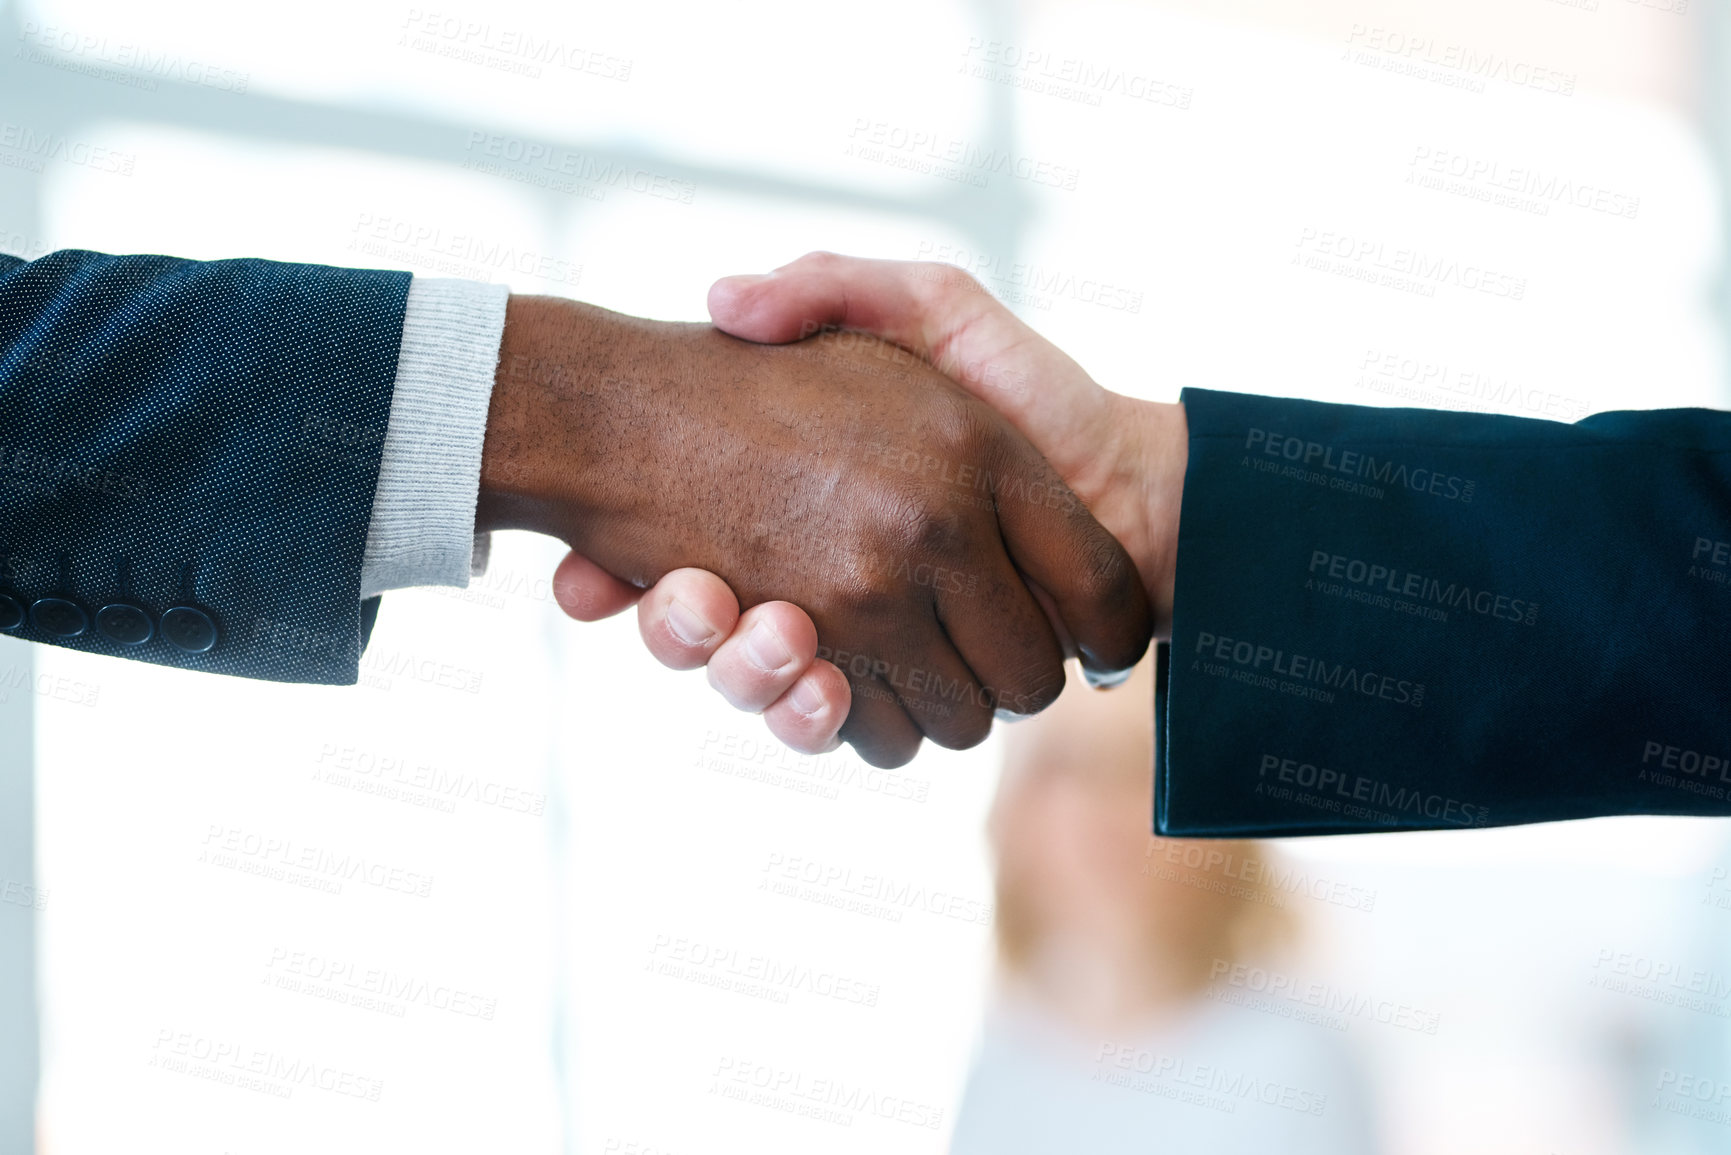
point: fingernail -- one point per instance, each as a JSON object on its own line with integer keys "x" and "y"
{"x": 1106, "y": 679}
{"x": 805, "y": 698}
{"x": 766, "y": 649}
{"x": 687, "y": 625}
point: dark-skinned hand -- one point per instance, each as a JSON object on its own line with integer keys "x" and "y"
{"x": 841, "y": 474}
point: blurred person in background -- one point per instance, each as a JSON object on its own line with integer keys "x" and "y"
{"x": 1104, "y": 1038}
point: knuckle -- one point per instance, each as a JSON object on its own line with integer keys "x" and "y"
{"x": 957, "y": 424}
{"x": 820, "y": 260}
{"x": 914, "y": 524}
{"x": 945, "y": 280}
{"x": 938, "y": 532}
{"x": 873, "y": 594}
{"x": 959, "y": 283}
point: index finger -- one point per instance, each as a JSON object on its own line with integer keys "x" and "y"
{"x": 1054, "y": 540}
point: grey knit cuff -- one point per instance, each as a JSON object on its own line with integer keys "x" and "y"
{"x": 423, "y": 526}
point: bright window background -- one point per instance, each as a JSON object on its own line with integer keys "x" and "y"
{"x": 583, "y": 815}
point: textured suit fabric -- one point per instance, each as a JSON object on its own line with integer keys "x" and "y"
{"x": 178, "y": 432}
{"x": 1405, "y": 619}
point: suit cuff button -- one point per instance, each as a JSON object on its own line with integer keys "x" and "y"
{"x": 189, "y": 629}
{"x": 58, "y": 617}
{"x": 124, "y": 623}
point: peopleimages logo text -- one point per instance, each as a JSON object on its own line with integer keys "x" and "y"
{"x": 1354, "y": 463}
{"x": 1454, "y": 595}
{"x": 1359, "y": 788}
{"x": 1305, "y": 668}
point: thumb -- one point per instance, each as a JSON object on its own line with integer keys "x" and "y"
{"x": 938, "y": 312}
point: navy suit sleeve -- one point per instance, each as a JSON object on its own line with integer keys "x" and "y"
{"x": 188, "y": 455}
{"x": 1404, "y": 619}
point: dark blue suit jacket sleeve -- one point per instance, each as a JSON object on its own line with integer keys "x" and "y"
{"x": 1405, "y": 619}
{"x": 188, "y": 454}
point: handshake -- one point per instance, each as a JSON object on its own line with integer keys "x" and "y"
{"x": 923, "y": 506}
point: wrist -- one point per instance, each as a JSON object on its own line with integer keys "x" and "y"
{"x": 531, "y": 462}
{"x": 1168, "y": 456}
{"x": 1149, "y": 448}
